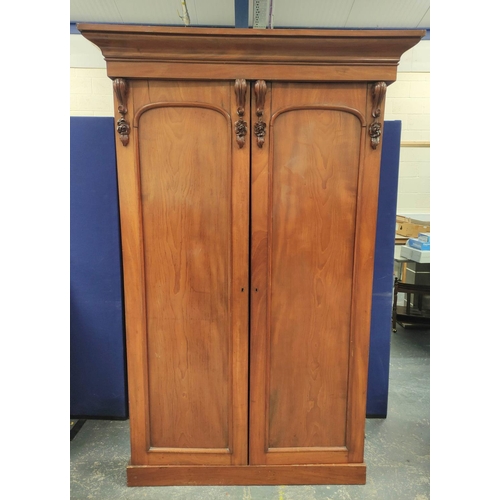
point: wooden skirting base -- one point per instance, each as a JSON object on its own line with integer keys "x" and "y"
{"x": 201, "y": 475}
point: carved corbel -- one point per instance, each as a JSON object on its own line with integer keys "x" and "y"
{"x": 240, "y": 126}
{"x": 375, "y": 130}
{"x": 260, "y": 97}
{"x": 120, "y": 87}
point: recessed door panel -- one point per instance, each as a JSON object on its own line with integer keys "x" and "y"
{"x": 302, "y": 321}
{"x": 186, "y": 222}
{"x": 194, "y": 234}
{"x": 313, "y": 199}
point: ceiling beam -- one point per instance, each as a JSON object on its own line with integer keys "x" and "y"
{"x": 241, "y": 13}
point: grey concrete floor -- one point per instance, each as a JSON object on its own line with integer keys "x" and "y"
{"x": 396, "y": 450}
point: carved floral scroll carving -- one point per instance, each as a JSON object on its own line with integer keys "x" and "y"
{"x": 375, "y": 130}
{"x": 240, "y": 126}
{"x": 120, "y": 87}
{"x": 260, "y": 125}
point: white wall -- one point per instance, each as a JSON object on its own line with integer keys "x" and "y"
{"x": 408, "y": 100}
{"x": 91, "y": 92}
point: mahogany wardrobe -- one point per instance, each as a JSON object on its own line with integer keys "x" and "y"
{"x": 248, "y": 167}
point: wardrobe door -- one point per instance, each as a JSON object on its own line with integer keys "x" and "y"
{"x": 183, "y": 182}
{"x": 307, "y": 352}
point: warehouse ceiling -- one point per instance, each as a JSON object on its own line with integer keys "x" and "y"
{"x": 260, "y": 13}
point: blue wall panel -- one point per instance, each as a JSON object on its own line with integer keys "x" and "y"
{"x": 97, "y": 350}
{"x": 383, "y": 275}
{"x": 241, "y": 13}
{"x": 98, "y": 381}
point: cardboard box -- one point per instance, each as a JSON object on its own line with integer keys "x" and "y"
{"x": 411, "y": 227}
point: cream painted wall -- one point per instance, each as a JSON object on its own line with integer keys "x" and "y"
{"x": 91, "y": 92}
{"x": 408, "y": 100}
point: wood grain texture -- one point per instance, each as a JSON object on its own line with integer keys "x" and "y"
{"x": 364, "y": 254}
{"x": 252, "y": 71}
{"x": 187, "y": 269}
{"x": 303, "y": 329}
{"x": 259, "y": 290}
{"x": 314, "y": 181}
{"x": 247, "y": 475}
{"x": 134, "y": 298}
{"x": 250, "y": 46}
{"x": 204, "y": 408}
{"x": 196, "y": 405}
{"x": 240, "y": 225}
{"x": 167, "y": 52}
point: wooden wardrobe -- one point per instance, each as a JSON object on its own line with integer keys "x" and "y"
{"x": 248, "y": 167}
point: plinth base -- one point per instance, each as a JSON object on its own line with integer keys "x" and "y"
{"x": 201, "y": 475}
